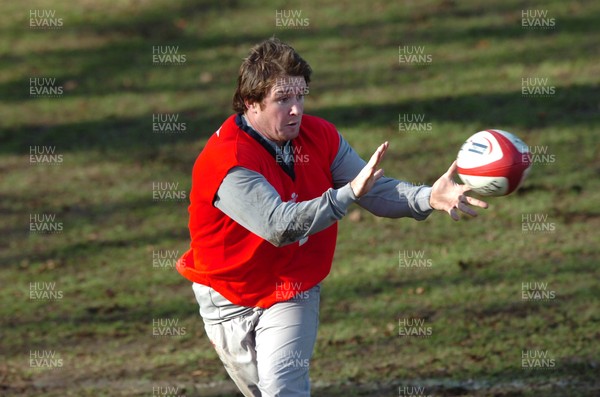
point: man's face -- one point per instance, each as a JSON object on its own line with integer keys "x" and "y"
{"x": 281, "y": 113}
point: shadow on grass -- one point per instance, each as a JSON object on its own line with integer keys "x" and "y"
{"x": 129, "y": 137}
{"x": 570, "y": 106}
{"x": 121, "y": 65}
{"x": 156, "y": 26}
{"x": 98, "y": 239}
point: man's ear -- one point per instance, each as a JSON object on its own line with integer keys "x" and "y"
{"x": 251, "y": 106}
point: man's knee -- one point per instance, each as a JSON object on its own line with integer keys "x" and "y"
{"x": 286, "y": 378}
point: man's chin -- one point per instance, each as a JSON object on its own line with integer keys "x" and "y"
{"x": 290, "y": 132}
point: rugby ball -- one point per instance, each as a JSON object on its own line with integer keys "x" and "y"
{"x": 493, "y": 162}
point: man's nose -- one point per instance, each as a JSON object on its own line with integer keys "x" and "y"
{"x": 296, "y": 108}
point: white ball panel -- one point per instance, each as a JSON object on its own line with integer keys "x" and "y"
{"x": 486, "y": 185}
{"x": 480, "y": 149}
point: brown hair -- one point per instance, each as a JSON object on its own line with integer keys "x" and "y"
{"x": 265, "y": 63}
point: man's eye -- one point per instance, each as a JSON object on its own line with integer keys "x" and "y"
{"x": 283, "y": 99}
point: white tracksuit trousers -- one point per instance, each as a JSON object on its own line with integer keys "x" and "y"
{"x": 265, "y": 351}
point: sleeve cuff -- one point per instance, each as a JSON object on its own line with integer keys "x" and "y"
{"x": 422, "y": 206}
{"x": 343, "y": 197}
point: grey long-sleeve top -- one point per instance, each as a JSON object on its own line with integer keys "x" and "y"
{"x": 247, "y": 198}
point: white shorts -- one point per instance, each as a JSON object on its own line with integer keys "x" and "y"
{"x": 265, "y": 351}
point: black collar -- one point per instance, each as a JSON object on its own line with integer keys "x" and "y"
{"x": 288, "y": 169}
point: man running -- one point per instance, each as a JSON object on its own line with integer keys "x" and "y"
{"x": 267, "y": 191}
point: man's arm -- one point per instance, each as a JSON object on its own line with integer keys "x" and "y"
{"x": 250, "y": 200}
{"x": 389, "y": 197}
{"x": 247, "y": 198}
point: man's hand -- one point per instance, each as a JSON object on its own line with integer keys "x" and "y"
{"x": 367, "y": 177}
{"x": 449, "y": 196}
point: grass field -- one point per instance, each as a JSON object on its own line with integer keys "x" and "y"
{"x": 86, "y": 248}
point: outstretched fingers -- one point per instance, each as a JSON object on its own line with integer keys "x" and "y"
{"x": 449, "y": 196}
{"x": 370, "y": 173}
{"x": 378, "y": 155}
{"x": 475, "y": 202}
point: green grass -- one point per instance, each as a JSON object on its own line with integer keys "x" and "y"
{"x": 102, "y": 193}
